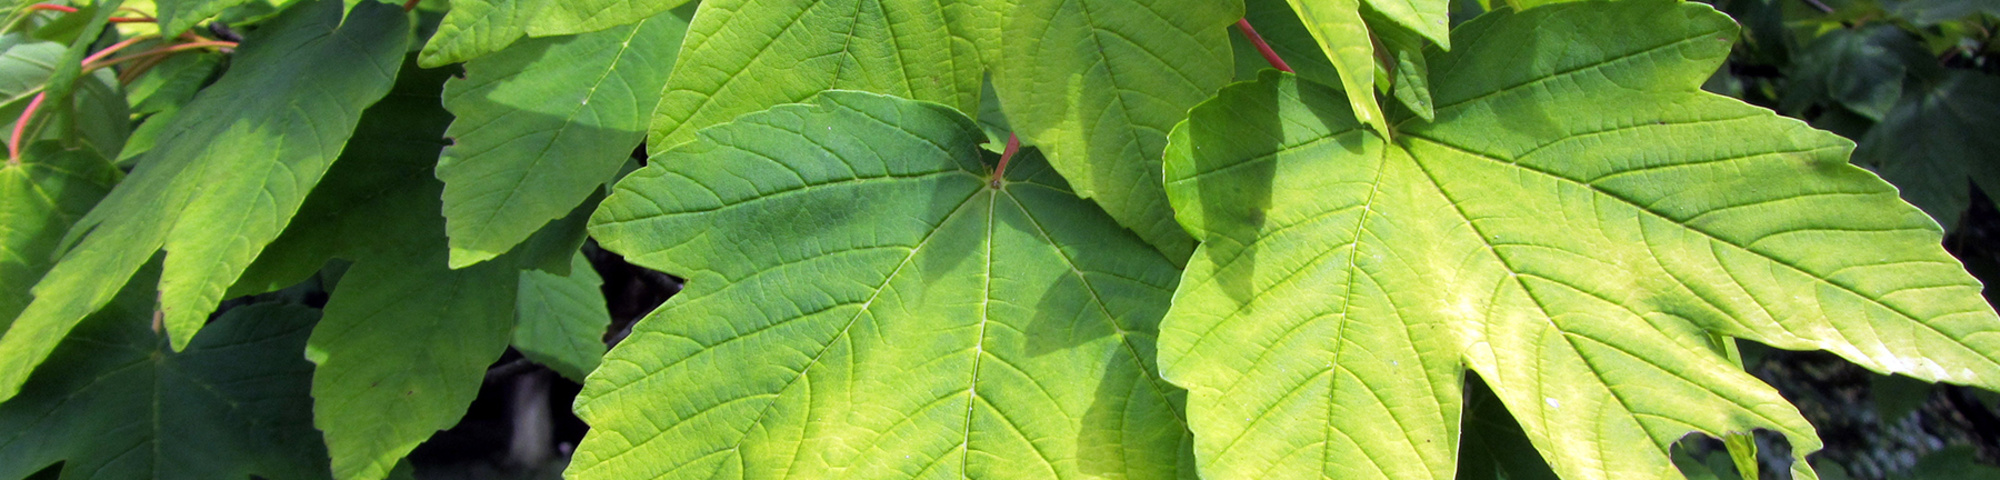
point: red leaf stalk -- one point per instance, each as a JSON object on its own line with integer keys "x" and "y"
{"x": 1013, "y": 147}
{"x": 1264, "y": 48}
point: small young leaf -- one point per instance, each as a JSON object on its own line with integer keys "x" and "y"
{"x": 542, "y": 124}
{"x": 224, "y": 180}
{"x": 862, "y": 301}
{"x": 1096, "y": 84}
{"x": 1343, "y": 37}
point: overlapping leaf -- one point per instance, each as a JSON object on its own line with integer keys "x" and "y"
{"x": 225, "y": 180}
{"x": 1938, "y": 142}
{"x": 40, "y": 196}
{"x": 1349, "y": 32}
{"x": 560, "y": 319}
{"x": 116, "y": 404}
{"x": 94, "y": 115}
{"x": 566, "y": 17}
{"x": 475, "y": 28}
{"x": 178, "y": 15}
{"x": 542, "y": 124}
{"x": 863, "y": 301}
{"x": 1572, "y": 225}
{"x": 742, "y": 56}
{"x": 406, "y": 339}
{"x": 1098, "y": 83}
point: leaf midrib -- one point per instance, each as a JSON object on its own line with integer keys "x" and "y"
{"x": 737, "y": 444}
{"x": 1850, "y": 290}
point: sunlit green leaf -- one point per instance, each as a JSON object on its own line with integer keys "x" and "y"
{"x": 566, "y": 17}
{"x": 542, "y": 124}
{"x": 863, "y": 301}
{"x": 40, "y": 196}
{"x": 224, "y": 180}
{"x": 1343, "y": 37}
{"x": 1572, "y": 226}
{"x": 1098, "y": 83}
{"x": 743, "y": 56}
{"x": 475, "y": 28}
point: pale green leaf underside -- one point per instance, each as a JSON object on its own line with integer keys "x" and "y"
{"x": 560, "y": 320}
{"x": 115, "y": 404}
{"x": 475, "y": 28}
{"x": 742, "y": 56}
{"x": 542, "y": 124}
{"x": 1569, "y": 226}
{"x": 861, "y": 304}
{"x": 39, "y": 198}
{"x": 1097, "y": 84}
{"x": 273, "y": 123}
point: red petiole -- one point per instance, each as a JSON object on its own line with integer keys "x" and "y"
{"x": 1013, "y": 147}
{"x": 1264, "y": 48}
{"x": 92, "y": 63}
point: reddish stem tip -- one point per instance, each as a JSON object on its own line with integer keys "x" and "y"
{"x": 1264, "y": 48}
{"x": 52, "y": 8}
{"x": 20, "y": 126}
{"x": 1007, "y": 154}
{"x": 411, "y": 5}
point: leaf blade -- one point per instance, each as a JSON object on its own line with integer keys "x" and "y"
{"x": 743, "y": 56}
{"x": 1572, "y": 225}
{"x": 141, "y": 216}
{"x": 1098, "y": 84}
{"x": 940, "y": 339}
{"x": 542, "y": 124}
